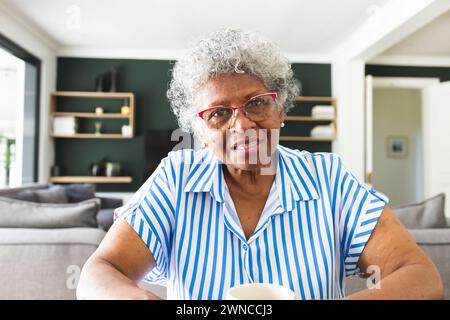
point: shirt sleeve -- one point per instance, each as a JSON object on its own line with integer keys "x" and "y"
{"x": 359, "y": 210}
{"x": 150, "y": 212}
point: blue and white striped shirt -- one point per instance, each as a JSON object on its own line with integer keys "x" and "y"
{"x": 314, "y": 226}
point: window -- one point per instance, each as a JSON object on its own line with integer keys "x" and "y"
{"x": 19, "y": 114}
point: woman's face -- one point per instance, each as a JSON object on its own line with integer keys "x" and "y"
{"x": 243, "y": 142}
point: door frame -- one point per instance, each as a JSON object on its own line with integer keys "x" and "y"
{"x": 403, "y": 83}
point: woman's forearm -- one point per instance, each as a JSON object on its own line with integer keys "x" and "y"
{"x": 416, "y": 281}
{"x": 100, "y": 280}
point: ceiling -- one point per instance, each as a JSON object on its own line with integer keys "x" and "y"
{"x": 298, "y": 26}
{"x": 432, "y": 40}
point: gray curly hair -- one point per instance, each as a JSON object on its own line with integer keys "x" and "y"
{"x": 228, "y": 51}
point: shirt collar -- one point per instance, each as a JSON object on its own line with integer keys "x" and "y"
{"x": 295, "y": 179}
{"x": 205, "y": 174}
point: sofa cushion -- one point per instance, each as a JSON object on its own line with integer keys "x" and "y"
{"x": 426, "y": 214}
{"x": 27, "y": 236}
{"x": 110, "y": 203}
{"x": 80, "y": 192}
{"x": 431, "y": 236}
{"x": 24, "y": 214}
{"x": 25, "y": 195}
{"x": 54, "y": 194}
{"x": 7, "y": 192}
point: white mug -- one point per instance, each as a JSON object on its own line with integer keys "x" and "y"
{"x": 126, "y": 130}
{"x": 260, "y": 291}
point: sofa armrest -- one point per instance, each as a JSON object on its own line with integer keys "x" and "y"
{"x": 431, "y": 236}
{"x": 44, "y": 263}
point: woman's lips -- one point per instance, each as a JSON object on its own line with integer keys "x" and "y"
{"x": 246, "y": 146}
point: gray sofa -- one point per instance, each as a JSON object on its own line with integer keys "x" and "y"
{"x": 45, "y": 263}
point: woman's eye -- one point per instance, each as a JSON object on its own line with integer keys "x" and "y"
{"x": 219, "y": 113}
{"x": 255, "y": 102}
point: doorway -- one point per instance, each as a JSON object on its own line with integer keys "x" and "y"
{"x": 396, "y": 131}
{"x": 398, "y": 144}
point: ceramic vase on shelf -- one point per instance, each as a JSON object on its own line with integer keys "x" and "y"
{"x": 126, "y": 130}
{"x": 98, "y": 127}
{"x": 113, "y": 169}
{"x": 124, "y": 108}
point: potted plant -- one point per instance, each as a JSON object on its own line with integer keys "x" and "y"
{"x": 9, "y": 155}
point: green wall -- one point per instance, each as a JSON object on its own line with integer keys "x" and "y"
{"x": 148, "y": 79}
{"x": 315, "y": 81}
{"x": 315, "y": 78}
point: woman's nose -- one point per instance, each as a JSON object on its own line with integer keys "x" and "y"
{"x": 240, "y": 122}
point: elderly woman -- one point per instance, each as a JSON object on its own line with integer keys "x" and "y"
{"x": 244, "y": 209}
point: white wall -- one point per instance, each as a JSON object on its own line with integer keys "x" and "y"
{"x": 348, "y": 86}
{"x": 24, "y": 35}
{"x": 397, "y": 112}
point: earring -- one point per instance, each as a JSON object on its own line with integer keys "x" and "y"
{"x": 282, "y": 124}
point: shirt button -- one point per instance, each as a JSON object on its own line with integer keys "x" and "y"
{"x": 245, "y": 247}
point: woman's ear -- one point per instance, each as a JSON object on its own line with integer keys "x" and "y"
{"x": 282, "y": 114}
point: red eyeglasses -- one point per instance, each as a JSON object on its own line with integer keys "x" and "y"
{"x": 257, "y": 108}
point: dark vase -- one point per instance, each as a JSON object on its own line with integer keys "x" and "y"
{"x": 113, "y": 80}
{"x": 98, "y": 169}
{"x": 99, "y": 83}
{"x": 55, "y": 171}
